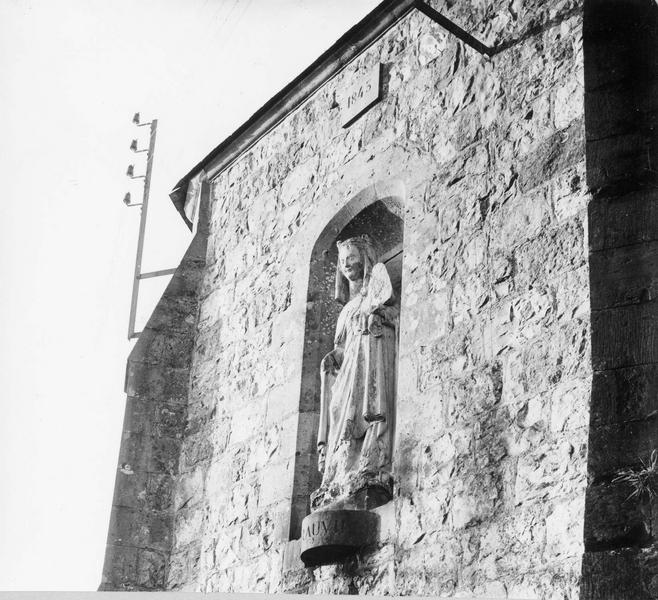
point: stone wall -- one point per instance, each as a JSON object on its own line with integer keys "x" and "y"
{"x": 621, "y": 76}
{"x": 157, "y": 375}
{"x": 494, "y": 367}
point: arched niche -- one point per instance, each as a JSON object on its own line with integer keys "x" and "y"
{"x": 378, "y": 211}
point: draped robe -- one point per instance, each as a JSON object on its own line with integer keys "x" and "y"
{"x": 357, "y": 424}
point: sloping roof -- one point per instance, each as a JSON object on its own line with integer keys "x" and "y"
{"x": 343, "y": 51}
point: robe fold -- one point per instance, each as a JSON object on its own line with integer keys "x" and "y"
{"x": 359, "y": 419}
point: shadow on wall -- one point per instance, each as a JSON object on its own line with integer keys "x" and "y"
{"x": 621, "y": 113}
{"x": 139, "y": 542}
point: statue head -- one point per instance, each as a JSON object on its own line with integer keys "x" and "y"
{"x": 356, "y": 258}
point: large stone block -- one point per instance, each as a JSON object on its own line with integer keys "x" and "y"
{"x": 623, "y": 220}
{"x": 617, "y": 159}
{"x": 615, "y": 109}
{"x": 623, "y": 574}
{"x": 621, "y": 445}
{"x": 614, "y": 517}
{"x": 151, "y": 569}
{"x": 140, "y": 529}
{"x": 554, "y": 251}
{"x": 276, "y": 482}
{"x": 144, "y": 453}
{"x": 623, "y": 395}
{"x": 144, "y": 379}
{"x": 120, "y": 569}
{"x": 625, "y": 336}
{"x": 625, "y": 275}
{"x": 555, "y": 154}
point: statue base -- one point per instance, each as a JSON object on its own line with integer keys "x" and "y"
{"x": 359, "y": 493}
{"x": 330, "y": 536}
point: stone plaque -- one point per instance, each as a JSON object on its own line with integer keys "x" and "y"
{"x": 329, "y": 536}
{"x": 361, "y": 96}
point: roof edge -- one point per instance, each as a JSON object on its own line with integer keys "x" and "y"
{"x": 343, "y": 51}
{"x": 348, "y": 46}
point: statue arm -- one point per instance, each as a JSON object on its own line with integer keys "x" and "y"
{"x": 382, "y": 316}
{"x": 378, "y": 307}
{"x": 388, "y": 313}
{"x": 331, "y": 363}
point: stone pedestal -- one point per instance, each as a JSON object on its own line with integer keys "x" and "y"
{"x": 330, "y": 536}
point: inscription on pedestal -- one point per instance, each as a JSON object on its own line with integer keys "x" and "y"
{"x": 330, "y": 536}
{"x": 329, "y": 524}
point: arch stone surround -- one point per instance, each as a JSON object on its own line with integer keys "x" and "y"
{"x": 379, "y": 201}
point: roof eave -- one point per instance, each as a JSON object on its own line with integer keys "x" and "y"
{"x": 343, "y": 51}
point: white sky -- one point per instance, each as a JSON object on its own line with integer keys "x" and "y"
{"x": 72, "y": 73}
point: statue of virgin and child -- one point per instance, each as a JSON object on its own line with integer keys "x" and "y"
{"x": 358, "y": 385}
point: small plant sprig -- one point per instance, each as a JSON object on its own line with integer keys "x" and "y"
{"x": 643, "y": 481}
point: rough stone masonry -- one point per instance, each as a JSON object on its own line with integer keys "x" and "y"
{"x": 522, "y": 178}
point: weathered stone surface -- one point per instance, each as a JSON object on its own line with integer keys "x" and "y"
{"x": 142, "y": 529}
{"x": 494, "y": 368}
{"x": 623, "y": 220}
{"x": 615, "y": 446}
{"x": 617, "y": 518}
{"x": 476, "y": 333}
{"x": 553, "y": 155}
{"x": 623, "y": 395}
{"x": 331, "y": 536}
{"x": 617, "y": 159}
{"x": 624, "y": 275}
{"x": 625, "y": 336}
{"x": 624, "y": 574}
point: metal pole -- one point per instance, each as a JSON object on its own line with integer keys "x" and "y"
{"x": 142, "y": 230}
{"x": 157, "y": 273}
